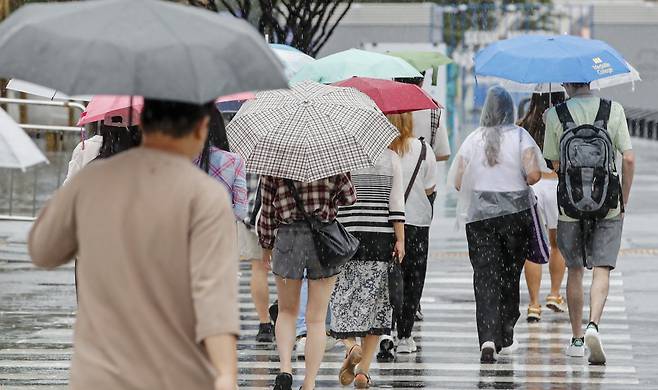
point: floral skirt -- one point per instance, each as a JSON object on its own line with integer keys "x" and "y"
{"x": 359, "y": 304}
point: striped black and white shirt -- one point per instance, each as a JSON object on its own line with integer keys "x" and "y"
{"x": 380, "y": 202}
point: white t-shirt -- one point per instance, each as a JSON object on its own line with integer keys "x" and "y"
{"x": 418, "y": 210}
{"x": 422, "y": 123}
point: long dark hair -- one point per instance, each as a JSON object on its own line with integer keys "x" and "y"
{"x": 216, "y": 137}
{"x": 117, "y": 139}
{"x": 533, "y": 120}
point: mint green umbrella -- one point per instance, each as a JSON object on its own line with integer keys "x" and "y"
{"x": 423, "y": 60}
{"x": 355, "y": 62}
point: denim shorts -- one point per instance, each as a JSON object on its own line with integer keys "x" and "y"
{"x": 294, "y": 252}
{"x": 590, "y": 243}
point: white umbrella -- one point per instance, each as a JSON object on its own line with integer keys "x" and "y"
{"x": 16, "y": 148}
{"x": 39, "y": 90}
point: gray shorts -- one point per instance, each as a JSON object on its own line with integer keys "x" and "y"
{"x": 597, "y": 241}
{"x": 294, "y": 252}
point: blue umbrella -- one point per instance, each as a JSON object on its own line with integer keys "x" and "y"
{"x": 550, "y": 59}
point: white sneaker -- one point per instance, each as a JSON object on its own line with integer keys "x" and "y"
{"x": 407, "y": 345}
{"x": 576, "y": 348}
{"x": 593, "y": 342}
{"x": 511, "y": 349}
{"x": 300, "y": 345}
{"x": 488, "y": 352}
{"x": 331, "y": 343}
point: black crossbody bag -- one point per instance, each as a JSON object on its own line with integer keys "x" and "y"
{"x": 334, "y": 245}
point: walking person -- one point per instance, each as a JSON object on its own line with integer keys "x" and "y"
{"x": 493, "y": 171}
{"x": 360, "y": 304}
{"x": 546, "y": 192}
{"x": 251, "y": 251}
{"x": 289, "y": 251}
{"x": 111, "y": 140}
{"x": 419, "y": 181}
{"x": 589, "y": 237}
{"x": 158, "y": 262}
{"x": 226, "y": 167}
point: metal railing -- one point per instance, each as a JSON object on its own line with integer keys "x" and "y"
{"x": 642, "y": 123}
{"x": 26, "y": 191}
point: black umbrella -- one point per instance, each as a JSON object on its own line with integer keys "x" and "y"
{"x": 150, "y": 48}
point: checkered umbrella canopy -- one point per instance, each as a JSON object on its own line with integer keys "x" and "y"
{"x": 310, "y": 132}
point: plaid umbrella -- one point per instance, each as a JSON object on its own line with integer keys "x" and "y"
{"x": 310, "y": 132}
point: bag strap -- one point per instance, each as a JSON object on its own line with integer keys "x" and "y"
{"x": 423, "y": 155}
{"x": 258, "y": 203}
{"x": 298, "y": 200}
{"x": 564, "y": 116}
{"x": 603, "y": 115}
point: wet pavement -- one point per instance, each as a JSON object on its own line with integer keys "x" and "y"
{"x": 37, "y": 310}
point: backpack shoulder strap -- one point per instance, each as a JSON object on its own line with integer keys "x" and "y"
{"x": 421, "y": 158}
{"x": 603, "y": 116}
{"x": 564, "y": 116}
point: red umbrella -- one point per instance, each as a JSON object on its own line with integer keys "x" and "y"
{"x": 108, "y": 107}
{"x": 392, "y": 97}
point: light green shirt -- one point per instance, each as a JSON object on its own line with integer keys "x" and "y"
{"x": 584, "y": 110}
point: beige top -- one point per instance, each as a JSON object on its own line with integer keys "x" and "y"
{"x": 155, "y": 241}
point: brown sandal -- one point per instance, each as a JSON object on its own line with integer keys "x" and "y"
{"x": 353, "y": 357}
{"x": 361, "y": 380}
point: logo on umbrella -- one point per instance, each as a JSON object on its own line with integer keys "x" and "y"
{"x": 602, "y": 68}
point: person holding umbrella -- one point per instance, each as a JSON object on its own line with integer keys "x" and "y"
{"x": 493, "y": 171}
{"x": 143, "y": 241}
{"x": 302, "y": 141}
{"x": 586, "y": 241}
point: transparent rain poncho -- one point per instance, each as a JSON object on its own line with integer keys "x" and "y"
{"x": 492, "y": 164}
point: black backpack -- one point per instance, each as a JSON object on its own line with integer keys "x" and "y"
{"x": 589, "y": 185}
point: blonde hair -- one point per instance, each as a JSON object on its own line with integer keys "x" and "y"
{"x": 405, "y": 125}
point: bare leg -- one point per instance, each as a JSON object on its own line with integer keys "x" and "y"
{"x": 598, "y": 293}
{"x": 288, "y": 294}
{"x": 556, "y": 264}
{"x": 369, "y": 344}
{"x": 260, "y": 291}
{"x": 533, "y": 280}
{"x": 349, "y": 343}
{"x": 575, "y": 299}
{"x": 319, "y": 292}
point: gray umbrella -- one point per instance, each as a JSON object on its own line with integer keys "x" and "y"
{"x": 150, "y": 48}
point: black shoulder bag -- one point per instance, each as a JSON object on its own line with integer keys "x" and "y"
{"x": 334, "y": 245}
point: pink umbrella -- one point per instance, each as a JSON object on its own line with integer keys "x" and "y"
{"x": 236, "y": 97}
{"x": 113, "y": 110}
{"x": 392, "y": 97}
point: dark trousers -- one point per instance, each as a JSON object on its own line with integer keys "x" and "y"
{"x": 414, "y": 268}
{"x": 497, "y": 248}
